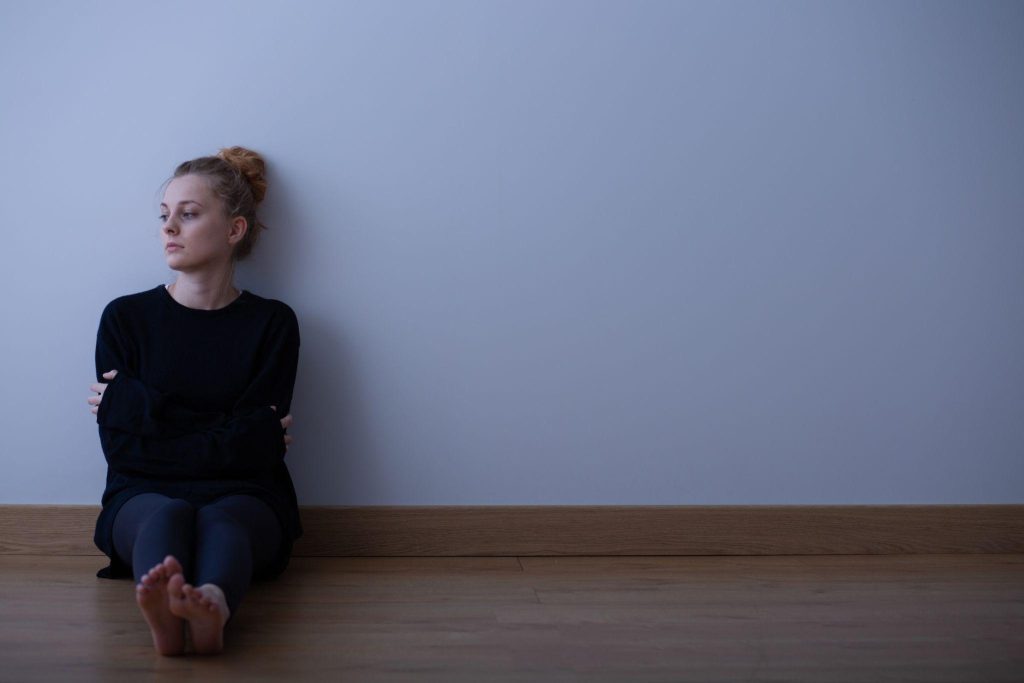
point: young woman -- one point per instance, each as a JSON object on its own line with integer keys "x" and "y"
{"x": 193, "y": 395}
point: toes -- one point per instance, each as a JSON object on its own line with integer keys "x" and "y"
{"x": 201, "y": 599}
{"x": 153, "y": 576}
{"x": 171, "y": 565}
{"x": 174, "y": 586}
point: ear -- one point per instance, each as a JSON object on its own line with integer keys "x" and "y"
{"x": 239, "y": 226}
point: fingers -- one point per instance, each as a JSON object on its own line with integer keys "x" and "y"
{"x": 286, "y": 422}
{"x": 94, "y": 400}
{"x": 98, "y": 388}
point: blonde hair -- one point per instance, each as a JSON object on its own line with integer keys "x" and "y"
{"x": 237, "y": 176}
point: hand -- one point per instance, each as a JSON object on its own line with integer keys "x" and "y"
{"x": 99, "y": 388}
{"x": 286, "y": 422}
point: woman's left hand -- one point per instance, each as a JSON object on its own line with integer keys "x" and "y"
{"x": 99, "y": 388}
{"x": 286, "y": 422}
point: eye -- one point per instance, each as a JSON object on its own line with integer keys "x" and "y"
{"x": 162, "y": 217}
{"x": 188, "y": 213}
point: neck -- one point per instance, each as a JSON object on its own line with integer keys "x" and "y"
{"x": 208, "y": 292}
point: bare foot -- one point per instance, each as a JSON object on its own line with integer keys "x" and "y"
{"x": 151, "y": 593}
{"x": 206, "y": 610}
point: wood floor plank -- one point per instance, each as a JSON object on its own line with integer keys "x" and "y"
{"x": 764, "y": 618}
{"x": 586, "y": 530}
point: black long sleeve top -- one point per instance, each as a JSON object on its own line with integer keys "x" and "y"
{"x": 188, "y": 413}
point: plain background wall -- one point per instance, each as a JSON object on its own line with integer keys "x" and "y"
{"x": 550, "y": 252}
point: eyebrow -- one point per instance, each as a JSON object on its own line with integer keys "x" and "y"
{"x": 186, "y": 201}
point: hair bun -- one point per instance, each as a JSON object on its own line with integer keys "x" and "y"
{"x": 251, "y": 165}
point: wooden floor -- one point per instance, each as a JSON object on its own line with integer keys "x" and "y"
{"x": 816, "y": 618}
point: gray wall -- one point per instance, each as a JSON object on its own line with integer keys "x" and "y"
{"x": 550, "y": 252}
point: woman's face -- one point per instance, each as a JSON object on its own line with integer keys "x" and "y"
{"x": 192, "y": 217}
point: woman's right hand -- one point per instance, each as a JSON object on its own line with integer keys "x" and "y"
{"x": 286, "y": 422}
{"x": 98, "y": 389}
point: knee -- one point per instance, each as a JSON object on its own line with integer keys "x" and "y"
{"x": 241, "y": 509}
{"x": 177, "y": 508}
{"x": 211, "y": 515}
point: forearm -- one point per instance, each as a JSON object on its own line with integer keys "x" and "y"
{"x": 130, "y": 405}
{"x": 243, "y": 447}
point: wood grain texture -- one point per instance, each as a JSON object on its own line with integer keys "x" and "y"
{"x": 835, "y": 618}
{"x": 598, "y": 530}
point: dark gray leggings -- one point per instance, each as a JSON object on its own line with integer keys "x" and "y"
{"x": 223, "y": 542}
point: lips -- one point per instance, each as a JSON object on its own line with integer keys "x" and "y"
{"x": 172, "y": 246}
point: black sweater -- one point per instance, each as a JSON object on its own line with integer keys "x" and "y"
{"x": 188, "y": 413}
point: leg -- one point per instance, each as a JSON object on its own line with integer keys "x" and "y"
{"x": 150, "y": 526}
{"x": 151, "y": 533}
{"x": 236, "y": 536}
